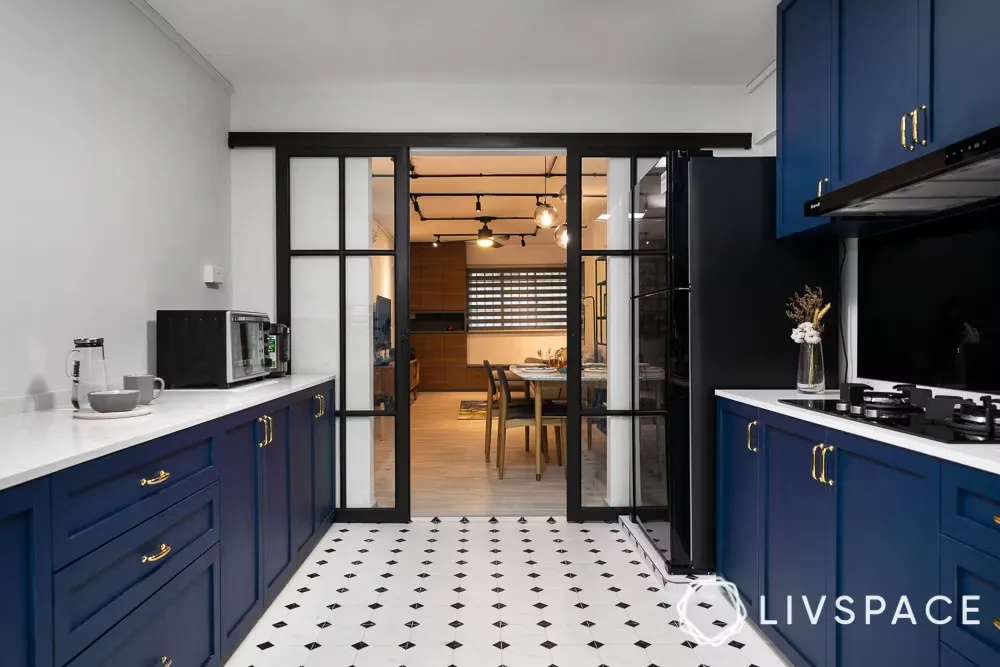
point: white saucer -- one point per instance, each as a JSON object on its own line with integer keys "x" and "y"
{"x": 90, "y": 413}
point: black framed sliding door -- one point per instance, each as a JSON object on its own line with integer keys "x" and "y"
{"x": 342, "y": 244}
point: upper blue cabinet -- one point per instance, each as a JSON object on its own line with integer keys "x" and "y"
{"x": 866, "y": 85}
{"x": 804, "y": 109}
{"x": 961, "y": 93}
{"x": 877, "y": 77}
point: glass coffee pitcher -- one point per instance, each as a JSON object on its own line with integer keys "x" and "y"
{"x": 85, "y": 366}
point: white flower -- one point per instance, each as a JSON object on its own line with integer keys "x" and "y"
{"x": 806, "y": 327}
{"x": 812, "y": 338}
{"x": 797, "y": 335}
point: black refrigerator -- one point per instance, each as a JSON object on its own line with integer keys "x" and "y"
{"x": 728, "y": 281}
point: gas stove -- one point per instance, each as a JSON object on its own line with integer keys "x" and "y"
{"x": 915, "y": 410}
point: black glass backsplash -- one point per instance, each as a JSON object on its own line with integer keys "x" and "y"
{"x": 929, "y": 304}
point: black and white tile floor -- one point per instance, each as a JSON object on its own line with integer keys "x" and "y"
{"x": 482, "y": 593}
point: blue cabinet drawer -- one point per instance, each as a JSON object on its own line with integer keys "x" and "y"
{"x": 968, "y": 572}
{"x": 103, "y": 587}
{"x": 970, "y": 507}
{"x": 179, "y": 625}
{"x": 96, "y": 502}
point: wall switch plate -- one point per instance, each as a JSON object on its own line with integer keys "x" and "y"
{"x": 212, "y": 274}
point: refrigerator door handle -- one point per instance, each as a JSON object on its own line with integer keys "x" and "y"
{"x": 681, "y": 289}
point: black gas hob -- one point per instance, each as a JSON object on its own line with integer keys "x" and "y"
{"x": 913, "y": 410}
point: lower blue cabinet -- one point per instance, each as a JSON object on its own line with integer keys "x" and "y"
{"x": 323, "y": 458}
{"x": 887, "y": 513}
{"x": 798, "y": 536}
{"x": 274, "y": 510}
{"x": 738, "y": 485}
{"x": 26, "y": 575}
{"x": 178, "y": 625}
{"x": 951, "y": 658}
{"x": 242, "y": 570}
{"x": 301, "y": 415}
{"x": 968, "y": 572}
{"x": 100, "y": 589}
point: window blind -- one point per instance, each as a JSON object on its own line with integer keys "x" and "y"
{"x": 511, "y": 299}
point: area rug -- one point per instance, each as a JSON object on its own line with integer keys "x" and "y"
{"x": 472, "y": 410}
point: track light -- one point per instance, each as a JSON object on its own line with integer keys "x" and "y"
{"x": 436, "y": 240}
{"x": 484, "y": 239}
{"x": 479, "y": 205}
{"x": 522, "y": 241}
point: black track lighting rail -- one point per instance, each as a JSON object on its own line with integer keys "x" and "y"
{"x": 414, "y": 176}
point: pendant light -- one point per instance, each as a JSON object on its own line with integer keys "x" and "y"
{"x": 485, "y": 237}
{"x": 546, "y": 215}
{"x": 562, "y": 236}
{"x": 479, "y": 205}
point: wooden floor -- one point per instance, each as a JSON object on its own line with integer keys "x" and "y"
{"x": 449, "y": 474}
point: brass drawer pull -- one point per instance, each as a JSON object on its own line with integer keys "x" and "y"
{"x": 996, "y": 520}
{"x": 996, "y": 623}
{"x": 749, "y": 445}
{"x": 164, "y": 550}
{"x": 166, "y": 662}
{"x": 822, "y": 474}
{"x": 159, "y": 479}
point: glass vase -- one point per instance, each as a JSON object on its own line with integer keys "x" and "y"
{"x": 811, "y": 377}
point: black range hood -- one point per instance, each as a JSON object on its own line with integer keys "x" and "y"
{"x": 959, "y": 175}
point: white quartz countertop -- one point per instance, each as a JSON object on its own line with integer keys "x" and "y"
{"x": 982, "y": 457}
{"x": 35, "y": 444}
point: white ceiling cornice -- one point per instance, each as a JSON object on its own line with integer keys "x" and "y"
{"x": 186, "y": 46}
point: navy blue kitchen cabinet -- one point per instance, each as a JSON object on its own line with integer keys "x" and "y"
{"x": 26, "y": 575}
{"x": 241, "y": 546}
{"x": 302, "y": 516}
{"x": 179, "y": 625}
{"x": 738, "y": 503}
{"x": 968, "y": 572}
{"x": 961, "y": 47}
{"x": 878, "y": 82}
{"x": 887, "y": 522}
{"x": 323, "y": 458}
{"x": 805, "y": 109}
{"x": 798, "y": 535}
{"x": 275, "y": 511}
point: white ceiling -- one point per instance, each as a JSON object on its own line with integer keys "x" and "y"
{"x": 492, "y": 41}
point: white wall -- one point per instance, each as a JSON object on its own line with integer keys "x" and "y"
{"x": 253, "y": 220}
{"x": 114, "y": 186}
{"x": 490, "y": 108}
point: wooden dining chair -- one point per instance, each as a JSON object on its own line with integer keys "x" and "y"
{"x": 493, "y": 403}
{"x": 514, "y": 416}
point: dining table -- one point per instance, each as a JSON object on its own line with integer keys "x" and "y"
{"x": 539, "y": 376}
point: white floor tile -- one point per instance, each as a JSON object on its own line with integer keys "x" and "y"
{"x": 571, "y": 596}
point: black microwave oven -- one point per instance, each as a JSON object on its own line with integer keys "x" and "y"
{"x": 211, "y": 348}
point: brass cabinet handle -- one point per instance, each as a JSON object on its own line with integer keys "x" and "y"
{"x": 814, "y": 461}
{"x": 322, "y": 403}
{"x": 996, "y": 520}
{"x": 915, "y": 115}
{"x": 319, "y": 410}
{"x": 159, "y": 479}
{"x": 164, "y": 550}
{"x": 263, "y": 420}
{"x": 822, "y": 474}
{"x": 902, "y": 131}
{"x": 270, "y": 429}
{"x": 749, "y": 426}
{"x": 166, "y": 662}
{"x": 819, "y": 186}
{"x": 996, "y": 623}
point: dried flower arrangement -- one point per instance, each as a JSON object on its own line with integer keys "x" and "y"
{"x": 805, "y": 311}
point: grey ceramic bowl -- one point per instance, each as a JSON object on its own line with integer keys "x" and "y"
{"x": 114, "y": 400}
